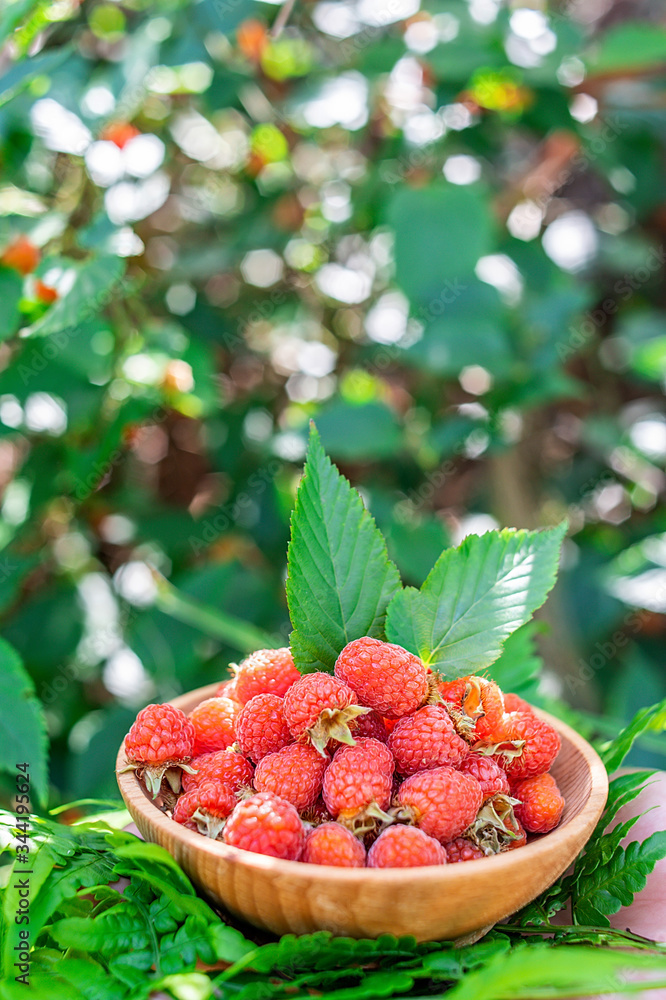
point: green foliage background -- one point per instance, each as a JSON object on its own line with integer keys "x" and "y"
{"x": 305, "y": 251}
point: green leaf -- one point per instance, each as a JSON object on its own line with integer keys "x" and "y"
{"x": 518, "y": 666}
{"x": 11, "y": 289}
{"x": 41, "y": 867}
{"x": 93, "y": 286}
{"x": 23, "y": 736}
{"x": 546, "y": 971}
{"x": 340, "y": 579}
{"x": 441, "y": 231}
{"x": 614, "y": 884}
{"x": 652, "y": 718}
{"x": 629, "y": 46}
{"x": 475, "y": 596}
{"x": 621, "y": 790}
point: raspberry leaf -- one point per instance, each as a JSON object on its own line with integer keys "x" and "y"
{"x": 340, "y": 579}
{"x": 652, "y": 719}
{"x": 614, "y": 883}
{"x": 474, "y": 597}
{"x": 23, "y": 736}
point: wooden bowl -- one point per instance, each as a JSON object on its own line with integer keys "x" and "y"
{"x": 433, "y": 903}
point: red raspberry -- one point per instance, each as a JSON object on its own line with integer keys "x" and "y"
{"x": 358, "y": 782}
{"x": 227, "y": 689}
{"x": 443, "y": 802}
{"x": 119, "y": 133}
{"x": 161, "y": 738}
{"x": 226, "y": 766}
{"x": 372, "y": 725}
{"x": 295, "y": 773}
{"x": 22, "y": 255}
{"x": 514, "y": 703}
{"x": 44, "y": 293}
{"x": 384, "y": 676}
{"x": 207, "y": 806}
{"x": 425, "y": 740}
{"x": 541, "y": 803}
{"x": 405, "y": 847}
{"x": 261, "y": 727}
{"x": 479, "y": 702}
{"x": 266, "y": 824}
{"x": 214, "y": 722}
{"x": 487, "y": 772}
{"x": 333, "y": 844}
{"x": 321, "y": 707}
{"x": 268, "y": 671}
{"x": 462, "y": 849}
{"x": 541, "y": 746}
{"x": 521, "y": 838}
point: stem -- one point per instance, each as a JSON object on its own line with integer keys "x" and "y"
{"x": 282, "y": 18}
{"x": 609, "y": 933}
{"x": 233, "y": 631}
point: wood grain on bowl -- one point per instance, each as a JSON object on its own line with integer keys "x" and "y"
{"x": 434, "y": 903}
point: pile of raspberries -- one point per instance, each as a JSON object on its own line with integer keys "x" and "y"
{"x": 383, "y": 764}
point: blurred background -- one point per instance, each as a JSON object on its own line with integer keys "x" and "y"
{"x": 436, "y": 228}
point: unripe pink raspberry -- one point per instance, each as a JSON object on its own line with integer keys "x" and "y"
{"x": 487, "y": 772}
{"x": 295, "y": 773}
{"x": 384, "y": 676}
{"x": 405, "y": 847}
{"x": 442, "y": 802}
{"x": 261, "y": 727}
{"x": 268, "y": 671}
{"x": 266, "y": 824}
{"x": 333, "y": 844}
{"x": 372, "y": 725}
{"x": 320, "y": 707}
{"x": 358, "y": 782}
{"x": 425, "y": 740}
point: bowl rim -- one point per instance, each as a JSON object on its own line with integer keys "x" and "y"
{"x": 579, "y": 825}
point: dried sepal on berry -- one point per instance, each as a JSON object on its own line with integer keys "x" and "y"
{"x": 319, "y": 708}
{"x": 495, "y": 827}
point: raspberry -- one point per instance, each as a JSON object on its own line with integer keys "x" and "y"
{"x": 384, "y": 676}
{"x": 372, "y": 725}
{"x": 268, "y": 671}
{"x": 207, "y": 806}
{"x": 44, "y": 293}
{"x": 333, "y": 844}
{"x": 261, "y": 727}
{"x": 541, "y": 803}
{"x": 425, "y": 740}
{"x": 160, "y": 740}
{"x": 514, "y": 703}
{"x": 266, "y": 824}
{"x": 478, "y": 705}
{"x": 321, "y": 707}
{"x": 358, "y": 782}
{"x": 541, "y": 746}
{"x": 227, "y": 689}
{"x": 442, "y": 802}
{"x": 495, "y": 828}
{"x": 119, "y": 133}
{"x": 487, "y": 772}
{"x": 462, "y": 849}
{"x": 521, "y": 836}
{"x": 295, "y": 773}
{"x": 22, "y": 255}
{"x": 214, "y": 722}
{"x": 405, "y": 847}
{"x": 227, "y": 766}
